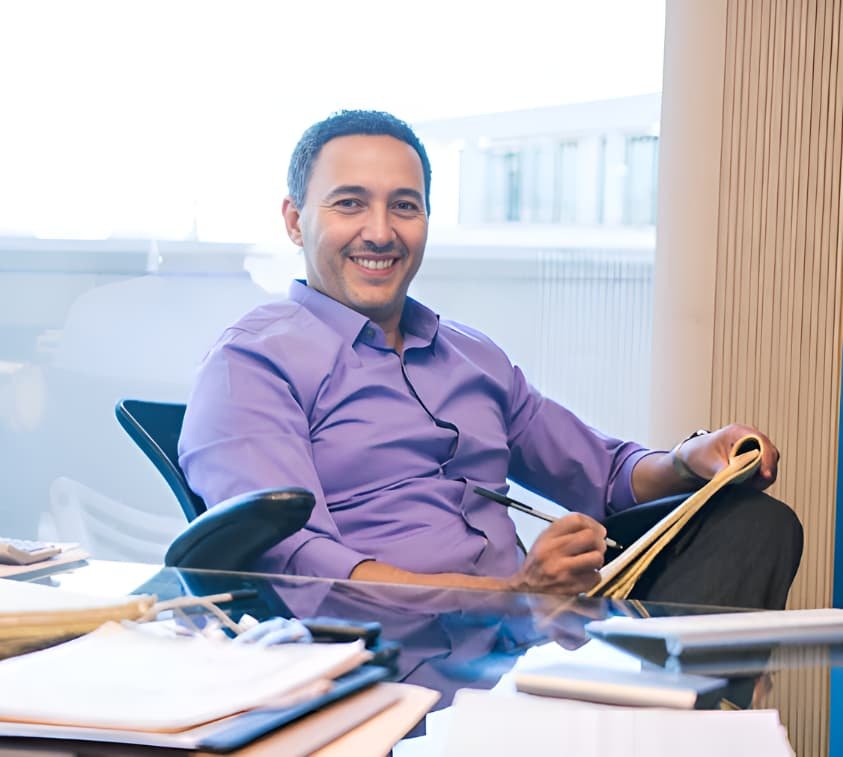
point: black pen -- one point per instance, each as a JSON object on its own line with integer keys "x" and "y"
{"x": 516, "y": 505}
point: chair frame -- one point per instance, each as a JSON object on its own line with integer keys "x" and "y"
{"x": 232, "y": 534}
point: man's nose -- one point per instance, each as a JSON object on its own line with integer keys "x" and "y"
{"x": 377, "y": 230}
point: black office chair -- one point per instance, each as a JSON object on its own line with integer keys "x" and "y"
{"x": 231, "y": 534}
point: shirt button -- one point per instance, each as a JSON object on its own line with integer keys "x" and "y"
{"x": 369, "y": 332}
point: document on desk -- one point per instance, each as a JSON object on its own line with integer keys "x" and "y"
{"x": 369, "y": 722}
{"x": 22, "y": 602}
{"x": 125, "y": 679}
{"x": 499, "y": 725}
{"x": 698, "y": 633}
{"x": 32, "y": 615}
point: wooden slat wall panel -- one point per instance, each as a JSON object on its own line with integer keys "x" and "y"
{"x": 777, "y": 337}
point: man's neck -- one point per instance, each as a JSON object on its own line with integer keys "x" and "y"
{"x": 395, "y": 339}
{"x": 391, "y": 328}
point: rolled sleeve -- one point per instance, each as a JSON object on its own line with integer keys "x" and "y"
{"x": 308, "y": 554}
{"x": 621, "y": 493}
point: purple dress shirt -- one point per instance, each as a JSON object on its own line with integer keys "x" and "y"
{"x": 305, "y": 392}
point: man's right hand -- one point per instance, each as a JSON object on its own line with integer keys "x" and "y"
{"x": 565, "y": 559}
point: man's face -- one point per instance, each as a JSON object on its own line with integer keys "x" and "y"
{"x": 363, "y": 226}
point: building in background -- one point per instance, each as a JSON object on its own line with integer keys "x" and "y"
{"x": 568, "y": 173}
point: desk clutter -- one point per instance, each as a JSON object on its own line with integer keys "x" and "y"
{"x": 144, "y": 674}
{"x": 122, "y": 681}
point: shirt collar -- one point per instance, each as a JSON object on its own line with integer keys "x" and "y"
{"x": 419, "y": 323}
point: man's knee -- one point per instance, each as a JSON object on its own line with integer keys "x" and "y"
{"x": 742, "y": 549}
{"x": 761, "y": 518}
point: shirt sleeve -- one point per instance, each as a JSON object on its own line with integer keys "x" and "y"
{"x": 245, "y": 430}
{"x": 557, "y": 455}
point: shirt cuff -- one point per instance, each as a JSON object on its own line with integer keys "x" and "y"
{"x": 322, "y": 557}
{"x": 623, "y": 496}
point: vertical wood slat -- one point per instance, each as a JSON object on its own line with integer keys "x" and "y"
{"x": 778, "y": 315}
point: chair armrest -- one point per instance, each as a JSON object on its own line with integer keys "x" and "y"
{"x": 232, "y": 534}
{"x": 627, "y": 525}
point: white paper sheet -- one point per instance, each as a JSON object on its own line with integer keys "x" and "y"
{"x": 21, "y": 596}
{"x": 499, "y": 725}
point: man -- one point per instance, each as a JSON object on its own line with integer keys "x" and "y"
{"x": 359, "y": 394}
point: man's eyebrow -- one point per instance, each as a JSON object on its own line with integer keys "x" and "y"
{"x": 356, "y": 189}
{"x": 407, "y": 192}
{"x": 347, "y": 189}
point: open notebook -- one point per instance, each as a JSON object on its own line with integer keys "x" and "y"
{"x": 618, "y": 577}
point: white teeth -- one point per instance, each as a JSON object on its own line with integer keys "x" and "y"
{"x": 374, "y": 265}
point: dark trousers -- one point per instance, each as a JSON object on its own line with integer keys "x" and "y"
{"x": 741, "y": 550}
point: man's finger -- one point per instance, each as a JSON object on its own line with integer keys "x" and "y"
{"x": 770, "y": 462}
{"x": 582, "y": 563}
{"x": 574, "y": 522}
{"x": 570, "y": 544}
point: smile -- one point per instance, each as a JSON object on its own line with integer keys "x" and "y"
{"x": 374, "y": 265}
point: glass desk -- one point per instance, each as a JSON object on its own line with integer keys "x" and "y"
{"x": 452, "y": 639}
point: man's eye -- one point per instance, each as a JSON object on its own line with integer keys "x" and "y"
{"x": 348, "y": 202}
{"x": 406, "y": 205}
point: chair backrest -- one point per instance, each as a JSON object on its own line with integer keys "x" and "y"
{"x": 109, "y": 529}
{"x": 155, "y": 428}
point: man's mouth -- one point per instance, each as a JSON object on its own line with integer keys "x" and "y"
{"x": 375, "y": 264}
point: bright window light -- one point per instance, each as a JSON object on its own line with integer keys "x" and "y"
{"x": 176, "y": 118}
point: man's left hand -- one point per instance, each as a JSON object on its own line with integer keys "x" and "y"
{"x": 708, "y": 454}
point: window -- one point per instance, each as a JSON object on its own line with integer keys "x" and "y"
{"x": 503, "y": 182}
{"x": 563, "y": 165}
{"x": 565, "y": 184}
{"x": 642, "y": 171}
{"x": 143, "y": 164}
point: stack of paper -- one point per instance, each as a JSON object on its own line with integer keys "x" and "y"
{"x": 492, "y": 724}
{"x": 123, "y": 678}
{"x": 122, "y": 684}
{"x": 32, "y": 616}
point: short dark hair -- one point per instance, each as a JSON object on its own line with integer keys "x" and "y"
{"x": 346, "y": 123}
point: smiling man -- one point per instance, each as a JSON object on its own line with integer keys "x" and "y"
{"x": 355, "y": 391}
{"x": 364, "y": 240}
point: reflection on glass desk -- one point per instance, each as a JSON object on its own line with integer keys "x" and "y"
{"x": 452, "y": 638}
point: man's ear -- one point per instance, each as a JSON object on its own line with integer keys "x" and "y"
{"x": 292, "y": 219}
